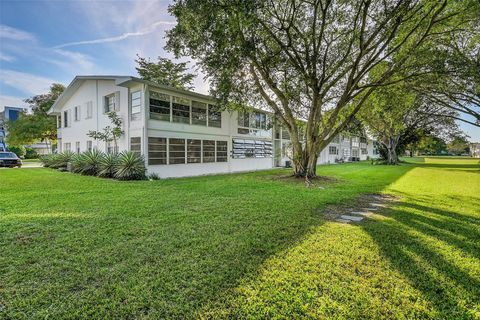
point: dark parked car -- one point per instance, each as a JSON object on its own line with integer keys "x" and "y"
{"x": 9, "y": 159}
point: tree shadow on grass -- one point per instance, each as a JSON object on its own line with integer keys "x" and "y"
{"x": 437, "y": 251}
{"x": 165, "y": 249}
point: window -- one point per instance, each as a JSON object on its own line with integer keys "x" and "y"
{"x": 67, "y": 146}
{"x": 214, "y": 116}
{"x": 180, "y": 110}
{"x": 65, "y": 118}
{"x": 199, "y": 113}
{"x": 59, "y": 122}
{"x": 363, "y": 140}
{"x": 208, "y": 151}
{"x": 157, "y": 151}
{"x": 136, "y": 102}
{"x": 222, "y": 151}
{"x": 89, "y": 107}
{"x": 355, "y": 153}
{"x": 77, "y": 113}
{"x": 194, "y": 151}
{"x": 109, "y": 103}
{"x": 159, "y": 106}
{"x": 77, "y": 147}
{"x": 176, "y": 148}
{"x": 332, "y": 150}
{"x": 364, "y": 151}
{"x": 257, "y": 120}
{"x": 89, "y": 145}
{"x": 285, "y": 134}
{"x": 135, "y": 145}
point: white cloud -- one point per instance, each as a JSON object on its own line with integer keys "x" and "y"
{"x": 11, "y": 102}
{"x": 15, "y": 34}
{"x": 75, "y": 60}
{"x": 5, "y": 57}
{"x": 151, "y": 28}
{"x": 25, "y": 82}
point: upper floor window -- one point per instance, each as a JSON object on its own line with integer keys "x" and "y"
{"x": 109, "y": 104}
{"x": 180, "y": 110}
{"x": 89, "y": 107}
{"x": 159, "y": 106}
{"x": 257, "y": 120}
{"x": 65, "y": 118}
{"x": 77, "y": 113}
{"x": 199, "y": 113}
{"x": 214, "y": 116}
{"x": 136, "y": 102}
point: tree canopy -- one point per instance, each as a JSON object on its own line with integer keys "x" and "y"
{"x": 311, "y": 60}
{"x": 165, "y": 72}
{"x": 38, "y": 125}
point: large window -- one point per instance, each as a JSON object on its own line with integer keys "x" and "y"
{"x": 136, "y": 101}
{"x": 176, "y": 151}
{"x": 214, "y": 116}
{"x": 255, "y": 120}
{"x": 159, "y": 106}
{"x": 208, "y": 150}
{"x": 180, "y": 110}
{"x": 222, "y": 151}
{"x": 199, "y": 113}
{"x": 332, "y": 150}
{"x": 157, "y": 151}
{"x": 135, "y": 145}
{"x": 194, "y": 151}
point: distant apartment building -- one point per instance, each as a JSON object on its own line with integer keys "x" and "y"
{"x": 8, "y": 114}
{"x": 179, "y": 132}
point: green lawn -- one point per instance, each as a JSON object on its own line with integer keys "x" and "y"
{"x": 245, "y": 245}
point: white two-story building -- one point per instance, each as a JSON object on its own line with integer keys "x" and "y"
{"x": 180, "y": 133}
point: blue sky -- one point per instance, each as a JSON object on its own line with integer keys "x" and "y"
{"x": 42, "y": 42}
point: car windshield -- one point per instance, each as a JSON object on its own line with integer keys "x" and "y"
{"x": 8, "y": 155}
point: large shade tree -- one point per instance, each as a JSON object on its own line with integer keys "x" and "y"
{"x": 165, "y": 72}
{"x": 307, "y": 59}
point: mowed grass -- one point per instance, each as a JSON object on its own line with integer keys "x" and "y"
{"x": 241, "y": 246}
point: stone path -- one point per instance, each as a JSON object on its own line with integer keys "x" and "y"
{"x": 365, "y": 209}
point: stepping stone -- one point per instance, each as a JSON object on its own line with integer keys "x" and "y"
{"x": 361, "y": 213}
{"x": 371, "y": 209}
{"x": 352, "y": 218}
{"x": 343, "y": 220}
{"x": 377, "y": 205}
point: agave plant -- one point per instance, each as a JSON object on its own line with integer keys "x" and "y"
{"x": 130, "y": 166}
{"x": 61, "y": 160}
{"x": 47, "y": 159}
{"x": 108, "y": 165}
{"x": 78, "y": 163}
{"x": 91, "y": 162}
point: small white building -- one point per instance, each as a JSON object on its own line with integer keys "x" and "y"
{"x": 180, "y": 133}
{"x": 474, "y": 150}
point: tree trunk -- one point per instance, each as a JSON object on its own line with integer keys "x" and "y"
{"x": 305, "y": 160}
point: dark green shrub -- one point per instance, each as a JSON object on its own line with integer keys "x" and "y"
{"x": 91, "y": 162}
{"x": 108, "y": 165}
{"x": 153, "y": 176}
{"x": 131, "y": 166}
{"x": 30, "y": 153}
{"x": 19, "y": 151}
{"x": 47, "y": 159}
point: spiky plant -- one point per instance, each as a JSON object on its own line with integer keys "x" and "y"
{"x": 47, "y": 159}
{"x": 131, "y": 166}
{"x": 61, "y": 160}
{"x": 91, "y": 162}
{"x": 108, "y": 165}
{"x": 78, "y": 163}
